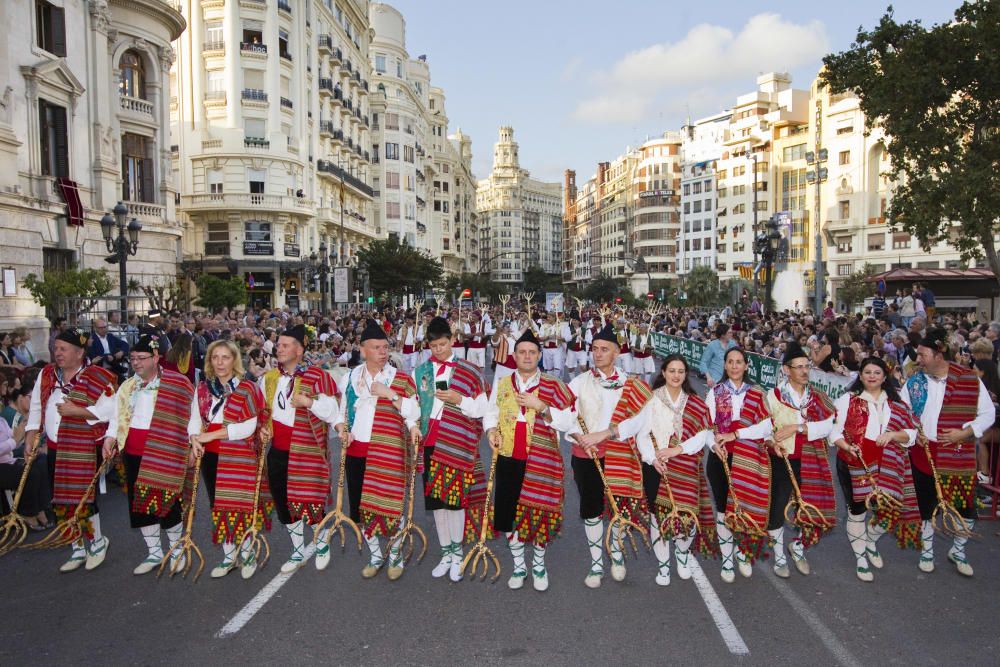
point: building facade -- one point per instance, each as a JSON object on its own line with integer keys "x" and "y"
{"x": 520, "y": 218}
{"x": 67, "y": 155}
{"x": 655, "y": 224}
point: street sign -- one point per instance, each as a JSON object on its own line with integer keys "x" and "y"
{"x": 650, "y": 295}
{"x": 466, "y": 293}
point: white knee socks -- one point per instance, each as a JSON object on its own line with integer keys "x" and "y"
{"x": 594, "y": 530}
{"x": 151, "y": 535}
{"x": 857, "y": 535}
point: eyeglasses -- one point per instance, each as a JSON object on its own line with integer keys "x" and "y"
{"x": 134, "y": 358}
{"x": 799, "y": 367}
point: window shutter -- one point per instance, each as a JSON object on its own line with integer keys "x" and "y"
{"x": 62, "y": 141}
{"x": 147, "y": 181}
{"x": 58, "y": 31}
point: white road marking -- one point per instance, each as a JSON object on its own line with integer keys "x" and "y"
{"x": 244, "y": 615}
{"x": 730, "y": 635}
{"x": 801, "y": 607}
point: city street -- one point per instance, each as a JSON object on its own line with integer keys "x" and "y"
{"x": 829, "y": 618}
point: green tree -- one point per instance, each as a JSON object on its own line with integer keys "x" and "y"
{"x": 936, "y": 95}
{"x": 538, "y": 281}
{"x": 215, "y": 293}
{"x": 396, "y": 268}
{"x": 605, "y": 289}
{"x": 702, "y": 286}
{"x": 54, "y": 288}
{"x": 854, "y": 290}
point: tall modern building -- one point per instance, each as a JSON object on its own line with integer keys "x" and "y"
{"x": 520, "y": 218}
{"x": 655, "y": 222}
{"x": 271, "y": 126}
{"x": 84, "y": 108}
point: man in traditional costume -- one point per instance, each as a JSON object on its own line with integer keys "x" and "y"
{"x": 409, "y": 343}
{"x": 608, "y": 402}
{"x": 641, "y": 343}
{"x": 954, "y": 409}
{"x": 68, "y": 402}
{"x": 552, "y": 350}
{"x": 299, "y": 403}
{"x": 478, "y": 331}
{"x": 148, "y": 423}
{"x": 528, "y": 498}
{"x": 577, "y": 341}
{"x": 378, "y": 415}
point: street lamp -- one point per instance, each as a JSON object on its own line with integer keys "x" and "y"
{"x": 121, "y": 247}
{"x": 321, "y": 265}
{"x": 768, "y": 246}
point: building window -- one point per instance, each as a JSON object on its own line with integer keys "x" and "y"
{"x": 844, "y": 208}
{"x": 797, "y": 152}
{"x": 217, "y": 232}
{"x": 392, "y": 180}
{"x": 380, "y": 63}
{"x": 137, "y": 169}
{"x": 392, "y": 210}
{"x": 844, "y": 270}
{"x": 845, "y": 245}
{"x": 215, "y": 186}
{"x": 845, "y": 157}
{"x": 257, "y": 230}
{"x": 391, "y": 151}
{"x": 411, "y": 182}
{"x": 256, "y": 178}
{"x": 255, "y": 129}
{"x": 214, "y": 34}
{"x": 53, "y": 139}
{"x": 51, "y": 22}
{"x": 399, "y": 68}
{"x": 408, "y": 156}
{"x": 392, "y": 121}
{"x": 900, "y": 240}
{"x": 132, "y": 80}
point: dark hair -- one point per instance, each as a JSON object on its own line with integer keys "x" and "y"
{"x": 991, "y": 378}
{"x": 721, "y": 330}
{"x": 661, "y": 381}
{"x": 738, "y": 350}
{"x": 887, "y": 385}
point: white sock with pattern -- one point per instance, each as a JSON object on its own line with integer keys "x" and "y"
{"x": 151, "y": 535}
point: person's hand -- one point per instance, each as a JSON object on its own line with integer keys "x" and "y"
{"x": 70, "y": 409}
{"x": 667, "y": 453}
{"x": 448, "y": 396}
{"x": 31, "y": 442}
{"x": 786, "y": 432}
{"x": 719, "y": 450}
{"x": 660, "y": 467}
{"x": 108, "y": 448}
{"x": 853, "y": 450}
{"x": 953, "y": 435}
{"x": 415, "y": 435}
{"x": 589, "y": 441}
{"x": 885, "y": 438}
{"x": 493, "y": 437}
{"x": 529, "y": 401}
{"x": 382, "y": 390}
{"x": 721, "y": 439}
{"x": 197, "y": 445}
{"x": 300, "y": 400}
{"x": 709, "y": 382}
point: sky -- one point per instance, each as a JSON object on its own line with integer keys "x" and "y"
{"x": 580, "y": 81}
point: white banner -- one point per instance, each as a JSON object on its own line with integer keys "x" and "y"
{"x": 342, "y": 284}
{"x": 554, "y": 302}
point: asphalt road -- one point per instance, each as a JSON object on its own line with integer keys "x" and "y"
{"x": 109, "y": 616}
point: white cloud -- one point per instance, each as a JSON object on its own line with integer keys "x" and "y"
{"x": 707, "y": 57}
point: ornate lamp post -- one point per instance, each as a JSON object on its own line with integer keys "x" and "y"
{"x": 121, "y": 247}
{"x": 321, "y": 265}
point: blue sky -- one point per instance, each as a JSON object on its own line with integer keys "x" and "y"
{"x": 580, "y": 82}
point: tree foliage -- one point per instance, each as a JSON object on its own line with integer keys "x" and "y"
{"x": 396, "y": 268}
{"x": 854, "y": 290}
{"x": 936, "y": 95}
{"x": 605, "y": 289}
{"x": 214, "y": 293}
{"x": 165, "y": 295}
{"x": 53, "y": 288}
{"x": 702, "y": 286}
{"x": 538, "y": 281}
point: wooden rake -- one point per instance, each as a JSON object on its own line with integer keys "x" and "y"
{"x": 336, "y": 520}
{"x": 945, "y": 515}
{"x": 408, "y": 533}
{"x": 626, "y": 528}
{"x": 185, "y": 545}
{"x": 71, "y": 530}
{"x": 254, "y": 541}
{"x": 806, "y": 516}
{"x": 677, "y": 521}
{"x": 739, "y": 520}
{"x": 13, "y": 527}
{"x": 480, "y": 554}
{"x": 878, "y": 499}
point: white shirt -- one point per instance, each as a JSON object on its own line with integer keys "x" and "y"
{"x": 985, "y": 413}
{"x": 474, "y": 408}
{"x": 364, "y": 407}
{"x": 879, "y": 413}
{"x": 758, "y": 431}
{"x": 52, "y": 417}
{"x": 234, "y": 431}
{"x": 644, "y": 442}
{"x": 609, "y": 400}
{"x": 560, "y": 419}
{"x": 814, "y": 430}
{"x": 282, "y": 410}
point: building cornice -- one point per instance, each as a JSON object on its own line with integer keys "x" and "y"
{"x": 168, "y": 14}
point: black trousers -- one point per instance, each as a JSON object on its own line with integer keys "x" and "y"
{"x": 431, "y": 504}
{"x": 508, "y": 482}
{"x": 50, "y": 466}
{"x": 37, "y": 492}
{"x": 781, "y": 489}
{"x": 137, "y": 520}
{"x": 209, "y": 469}
{"x": 844, "y": 477}
{"x": 277, "y": 478}
{"x": 650, "y": 484}
{"x": 716, "y": 474}
{"x": 354, "y": 472}
{"x": 589, "y": 485}
{"x": 923, "y": 484}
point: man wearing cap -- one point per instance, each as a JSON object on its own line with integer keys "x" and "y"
{"x": 378, "y": 416}
{"x": 609, "y": 403}
{"x": 643, "y": 365}
{"x": 525, "y": 411}
{"x": 300, "y": 402}
{"x": 409, "y": 343}
{"x": 577, "y": 340}
{"x": 503, "y": 352}
{"x": 452, "y": 401}
{"x": 954, "y": 409}
{"x": 66, "y": 402}
{"x": 801, "y": 418}
{"x": 148, "y": 422}
{"x": 424, "y": 351}
{"x": 478, "y": 331}
{"x": 552, "y": 353}
{"x": 154, "y": 327}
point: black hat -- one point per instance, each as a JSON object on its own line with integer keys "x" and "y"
{"x": 936, "y": 339}
{"x": 438, "y": 328}
{"x": 298, "y": 332}
{"x": 149, "y": 343}
{"x": 607, "y": 333}
{"x": 153, "y": 313}
{"x": 373, "y": 331}
{"x": 793, "y": 351}
{"x": 528, "y": 337}
{"x": 74, "y": 337}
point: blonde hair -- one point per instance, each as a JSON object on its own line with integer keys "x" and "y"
{"x": 234, "y": 350}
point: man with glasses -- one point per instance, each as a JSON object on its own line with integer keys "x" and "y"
{"x": 801, "y": 419}
{"x": 108, "y": 350}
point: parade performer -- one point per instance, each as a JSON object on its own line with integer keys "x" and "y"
{"x": 801, "y": 418}
{"x": 379, "y": 409}
{"x": 679, "y": 422}
{"x": 223, "y": 432}
{"x": 148, "y": 424}
{"x": 452, "y": 401}
{"x": 520, "y": 424}
{"x": 872, "y": 431}
{"x": 552, "y": 353}
{"x": 577, "y": 341}
{"x": 954, "y": 408}
{"x": 409, "y": 343}
{"x": 503, "y": 353}
{"x": 641, "y": 343}
{"x": 609, "y": 403}
{"x": 458, "y": 338}
{"x": 478, "y": 331}
{"x": 69, "y": 401}
{"x": 739, "y": 414}
{"x": 623, "y": 336}
{"x": 299, "y": 402}
{"x": 424, "y": 352}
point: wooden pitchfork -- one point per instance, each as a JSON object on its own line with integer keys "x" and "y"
{"x": 404, "y": 536}
{"x": 185, "y": 545}
{"x": 13, "y": 527}
{"x": 254, "y": 539}
{"x": 807, "y": 516}
{"x": 878, "y": 498}
{"x": 480, "y": 553}
{"x": 739, "y": 520}
{"x": 625, "y": 527}
{"x": 336, "y": 519}
{"x": 70, "y": 530}
{"x": 677, "y": 521}
{"x": 945, "y": 514}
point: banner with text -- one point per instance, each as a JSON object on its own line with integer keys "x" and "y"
{"x": 761, "y": 370}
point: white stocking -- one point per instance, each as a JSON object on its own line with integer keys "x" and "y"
{"x": 858, "y": 538}
{"x": 778, "y": 537}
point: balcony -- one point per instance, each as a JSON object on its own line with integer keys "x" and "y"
{"x": 287, "y": 103}
{"x": 216, "y": 46}
{"x": 283, "y": 6}
{"x": 286, "y": 57}
{"x": 244, "y": 200}
{"x": 217, "y": 248}
{"x": 336, "y": 56}
{"x": 136, "y": 105}
{"x": 254, "y": 95}
{"x": 348, "y": 66}
{"x": 146, "y": 212}
{"x": 325, "y": 86}
{"x": 256, "y": 142}
{"x": 253, "y": 48}
{"x": 326, "y": 127}
{"x": 328, "y": 168}
{"x": 877, "y": 221}
{"x": 325, "y": 44}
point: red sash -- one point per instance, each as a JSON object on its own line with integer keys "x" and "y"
{"x": 282, "y": 436}
{"x": 135, "y": 443}
{"x": 213, "y": 446}
{"x": 407, "y": 349}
